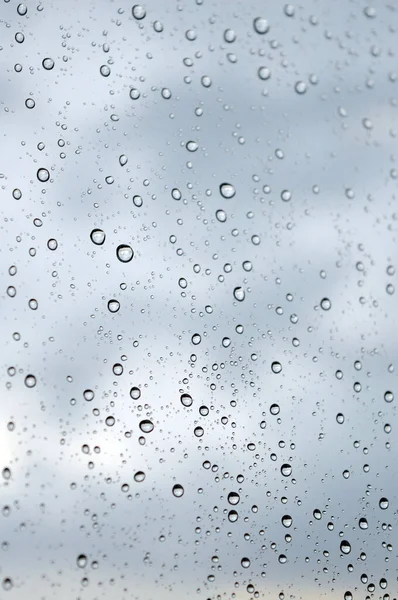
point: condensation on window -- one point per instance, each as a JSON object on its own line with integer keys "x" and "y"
{"x": 198, "y": 303}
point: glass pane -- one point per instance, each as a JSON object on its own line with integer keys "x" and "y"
{"x": 198, "y": 305}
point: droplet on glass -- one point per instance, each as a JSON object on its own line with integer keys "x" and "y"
{"x": 30, "y": 381}
{"x": 178, "y": 490}
{"x": 239, "y": 294}
{"x": 124, "y": 253}
{"x": 97, "y": 237}
{"x": 113, "y": 306}
{"x": 260, "y": 25}
{"x": 43, "y": 175}
{"x": 227, "y": 190}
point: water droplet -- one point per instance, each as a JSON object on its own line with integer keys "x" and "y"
{"x": 98, "y": 236}
{"x": 124, "y": 253}
{"x": 282, "y": 559}
{"x": 198, "y": 431}
{"x": 206, "y": 81}
{"x": 88, "y": 395}
{"x": 81, "y": 561}
{"x": 135, "y": 393}
{"x": 113, "y": 306}
{"x": 233, "y": 516}
{"x": 326, "y": 304}
{"x": 256, "y": 240}
{"x": 229, "y": 36}
{"x": 260, "y": 25}
{"x": 340, "y": 418}
{"x": 178, "y": 490}
{"x": 286, "y": 195}
{"x": 7, "y": 584}
{"x": 233, "y": 498}
{"x": 110, "y": 421}
{"x": 166, "y": 93}
{"x": 48, "y": 64}
{"x": 196, "y": 339}
{"x": 317, "y": 514}
{"x": 384, "y": 503}
{"x": 226, "y": 342}
{"x": 123, "y": 160}
{"x": 30, "y": 103}
{"x": 345, "y": 547}
{"x": 43, "y": 175}
{"x": 221, "y": 216}
{"x": 192, "y": 146}
{"x": 289, "y": 10}
{"x": 134, "y": 94}
{"x": 30, "y": 381}
{"x": 363, "y": 523}
{"x": 146, "y": 426}
{"x": 274, "y": 409}
{"x": 245, "y": 562}
{"x": 138, "y": 12}
{"x": 276, "y": 367}
{"x": 388, "y": 396}
{"x": 287, "y": 521}
{"x": 186, "y": 400}
{"x": 239, "y": 294}
{"x": 264, "y": 73}
{"x": 227, "y": 190}
{"x": 139, "y": 476}
{"x": 300, "y": 87}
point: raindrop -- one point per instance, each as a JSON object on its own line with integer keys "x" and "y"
{"x": 276, "y": 367}
{"x": 287, "y": 521}
{"x": 146, "y": 426}
{"x": 345, "y": 547}
{"x": 178, "y": 490}
{"x": 260, "y": 25}
{"x": 43, "y": 175}
{"x": 233, "y": 498}
{"x": 48, "y": 64}
{"x": 110, "y": 421}
{"x": 81, "y": 561}
{"x": 239, "y": 294}
{"x": 383, "y": 503}
{"x": 138, "y": 12}
{"x": 139, "y": 476}
{"x": 113, "y": 306}
{"x": 135, "y": 393}
{"x": 123, "y": 160}
{"x": 221, "y": 216}
{"x": 30, "y": 381}
{"x": 134, "y": 94}
{"x": 192, "y": 146}
{"x": 186, "y": 400}
{"x": 300, "y": 87}
{"x": 97, "y": 237}
{"x": 286, "y": 470}
{"x": 245, "y": 562}
{"x": 326, "y": 304}
{"x": 227, "y": 190}
{"x": 124, "y": 253}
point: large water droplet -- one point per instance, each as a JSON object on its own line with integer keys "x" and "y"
{"x": 233, "y": 498}
{"x": 227, "y": 190}
{"x": 124, "y": 253}
{"x": 260, "y": 25}
{"x": 239, "y": 294}
{"x": 178, "y": 490}
{"x": 98, "y": 236}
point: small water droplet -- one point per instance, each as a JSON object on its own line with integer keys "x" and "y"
{"x": 124, "y": 253}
